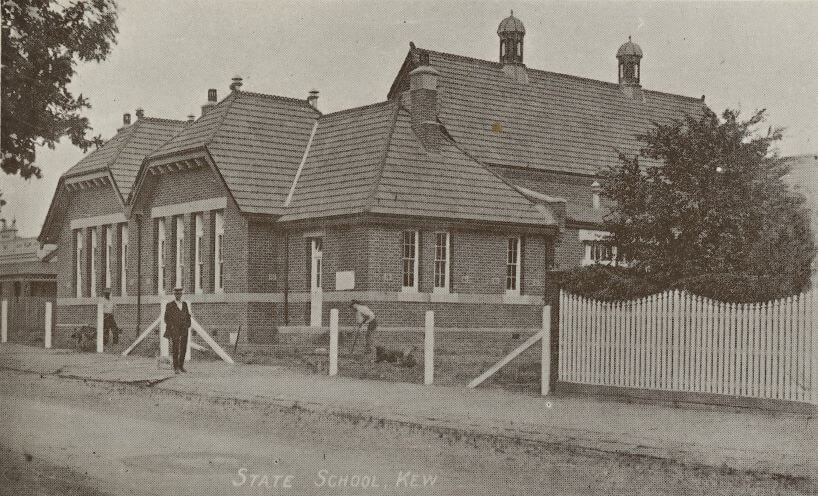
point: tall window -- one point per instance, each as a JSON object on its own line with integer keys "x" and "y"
{"x": 93, "y": 264}
{"x": 108, "y": 254}
{"x": 123, "y": 262}
{"x": 410, "y": 260}
{"x": 198, "y": 259}
{"x": 218, "y": 259}
{"x": 78, "y": 254}
{"x": 180, "y": 249}
{"x": 160, "y": 256}
{"x": 513, "y": 266}
{"x": 442, "y": 262}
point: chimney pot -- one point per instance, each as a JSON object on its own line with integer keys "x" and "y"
{"x": 140, "y": 113}
{"x": 236, "y": 84}
{"x": 211, "y": 95}
{"x": 126, "y": 119}
{"x": 313, "y": 99}
{"x": 191, "y": 117}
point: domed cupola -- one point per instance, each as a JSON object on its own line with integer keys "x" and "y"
{"x": 629, "y": 56}
{"x": 511, "y": 32}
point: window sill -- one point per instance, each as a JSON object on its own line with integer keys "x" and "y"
{"x": 409, "y": 289}
{"x": 440, "y": 290}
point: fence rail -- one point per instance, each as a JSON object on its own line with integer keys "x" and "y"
{"x": 677, "y": 341}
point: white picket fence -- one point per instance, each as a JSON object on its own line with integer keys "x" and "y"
{"x": 677, "y": 341}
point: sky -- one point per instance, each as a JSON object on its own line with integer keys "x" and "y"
{"x": 744, "y": 55}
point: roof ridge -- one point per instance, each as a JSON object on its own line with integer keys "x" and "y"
{"x": 382, "y": 162}
{"x": 163, "y": 119}
{"x": 362, "y": 107}
{"x": 561, "y": 74}
{"x": 279, "y": 97}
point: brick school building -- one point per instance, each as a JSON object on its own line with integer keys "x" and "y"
{"x": 458, "y": 193}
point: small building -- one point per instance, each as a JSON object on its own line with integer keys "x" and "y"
{"x": 457, "y": 193}
{"x": 28, "y": 279}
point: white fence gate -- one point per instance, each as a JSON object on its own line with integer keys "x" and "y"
{"x": 677, "y": 341}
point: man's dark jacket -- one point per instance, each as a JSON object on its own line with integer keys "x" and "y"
{"x": 177, "y": 321}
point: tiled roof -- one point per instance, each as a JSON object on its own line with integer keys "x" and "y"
{"x": 369, "y": 159}
{"x": 256, "y": 141}
{"x": 556, "y": 122}
{"x": 123, "y": 153}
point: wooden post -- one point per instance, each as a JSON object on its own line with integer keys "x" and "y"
{"x": 47, "y": 340}
{"x": 545, "y": 363}
{"x": 164, "y": 344}
{"x": 333, "y": 342}
{"x": 429, "y": 349}
{"x": 4, "y": 321}
{"x": 100, "y": 343}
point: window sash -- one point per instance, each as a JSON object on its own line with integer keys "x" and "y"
{"x": 180, "y": 247}
{"x": 160, "y": 255}
{"x": 198, "y": 267}
{"x": 93, "y": 264}
{"x": 410, "y": 260}
{"x": 108, "y": 253}
{"x": 78, "y": 254}
{"x": 442, "y": 260}
{"x": 123, "y": 267}
{"x": 218, "y": 265}
{"x": 513, "y": 265}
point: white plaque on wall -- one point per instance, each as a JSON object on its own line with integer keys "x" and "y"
{"x": 344, "y": 279}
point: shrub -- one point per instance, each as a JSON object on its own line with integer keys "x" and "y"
{"x": 603, "y": 282}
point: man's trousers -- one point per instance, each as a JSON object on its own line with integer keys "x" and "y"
{"x": 178, "y": 350}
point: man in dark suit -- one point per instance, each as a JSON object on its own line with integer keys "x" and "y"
{"x": 177, "y": 322}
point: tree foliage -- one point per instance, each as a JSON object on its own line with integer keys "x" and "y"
{"x": 42, "y": 43}
{"x": 705, "y": 197}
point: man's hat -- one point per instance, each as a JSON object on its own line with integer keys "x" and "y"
{"x": 106, "y": 291}
{"x": 177, "y": 290}
{"x": 354, "y": 302}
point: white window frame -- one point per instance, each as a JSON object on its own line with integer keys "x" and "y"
{"x": 514, "y": 262}
{"x": 198, "y": 262}
{"x": 442, "y": 262}
{"x": 412, "y": 288}
{"x": 218, "y": 253}
{"x": 93, "y": 265}
{"x": 123, "y": 259}
{"x": 593, "y": 249}
{"x": 79, "y": 254}
{"x": 160, "y": 255}
{"x": 316, "y": 264}
{"x": 109, "y": 248}
{"x": 179, "y": 222}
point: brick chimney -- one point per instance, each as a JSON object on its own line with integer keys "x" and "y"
{"x": 140, "y": 113}
{"x": 423, "y": 106}
{"x": 126, "y": 119}
{"x": 313, "y": 99}
{"x": 211, "y": 101}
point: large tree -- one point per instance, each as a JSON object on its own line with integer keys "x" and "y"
{"x": 42, "y": 43}
{"x": 708, "y": 198}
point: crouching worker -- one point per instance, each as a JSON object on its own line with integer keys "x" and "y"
{"x": 364, "y": 317}
{"x": 177, "y": 322}
{"x": 109, "y": 327}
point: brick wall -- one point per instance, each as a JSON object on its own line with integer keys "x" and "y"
{"x": 101, "y": 200}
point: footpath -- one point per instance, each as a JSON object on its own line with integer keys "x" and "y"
{"x": 780, "y": 443}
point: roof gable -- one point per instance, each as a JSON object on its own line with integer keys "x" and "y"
{"x": 256, "y": 142}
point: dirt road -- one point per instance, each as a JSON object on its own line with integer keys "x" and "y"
{"x": 85, "y": 437}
